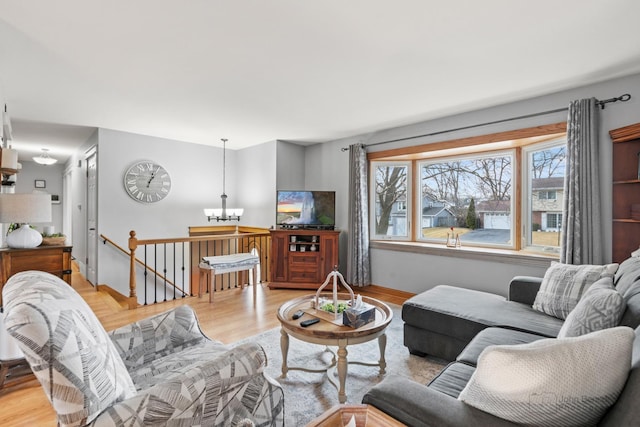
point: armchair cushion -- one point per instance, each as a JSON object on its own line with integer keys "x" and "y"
{"x": 221, "y": 389}
{"x": 149, "y": 339}
{"x": 68, "y": 350}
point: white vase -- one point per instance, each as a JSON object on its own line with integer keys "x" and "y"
{"x": 24, "y": 237}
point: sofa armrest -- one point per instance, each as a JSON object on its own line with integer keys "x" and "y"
{"x": 523, "y": 289}
{"x": 156, "y": 336}
{"x": 420, "y": 406}
{"x": 222, "y": 391}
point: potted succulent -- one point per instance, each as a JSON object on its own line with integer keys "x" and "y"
{"x": 55, "y": 239}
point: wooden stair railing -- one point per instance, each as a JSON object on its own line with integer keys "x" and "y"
{"x": 128, "y": 253}
{"x": 217, "y": 241}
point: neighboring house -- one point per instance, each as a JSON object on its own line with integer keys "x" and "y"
{"x": 398, "y": 218}
{"x": 546, "y": 203}
{"x": 546, "y": 207}
{"x": 494, "y": 214}
{"x": 436, "y": 213}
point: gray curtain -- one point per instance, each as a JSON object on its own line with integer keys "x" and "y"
{"x": 581, "y": 221}
{"x": 358, "y": 264}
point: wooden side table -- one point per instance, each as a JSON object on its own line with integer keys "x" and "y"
{"x": 363, "y": 415}
{"x": 52, "y": 259}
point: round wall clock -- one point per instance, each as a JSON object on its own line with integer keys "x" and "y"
{"x": 147, "y": 182}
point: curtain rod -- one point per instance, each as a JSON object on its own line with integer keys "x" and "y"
{"x": 601, "y": 104}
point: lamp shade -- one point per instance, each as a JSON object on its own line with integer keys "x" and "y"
{"x": 25, "y": 208}
{"x": 9, "y": 158}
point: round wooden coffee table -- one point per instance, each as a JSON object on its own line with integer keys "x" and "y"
{"x": 328, "y": 333}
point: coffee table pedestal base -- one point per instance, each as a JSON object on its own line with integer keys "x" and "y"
{"x": 339, "y": 361}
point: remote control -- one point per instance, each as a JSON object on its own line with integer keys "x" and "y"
{"x": 309, "y": 322}
{"x": 298, "y": 314}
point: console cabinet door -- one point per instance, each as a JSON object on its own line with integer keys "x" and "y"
{"x": 329, "y": 253}
{"x": 279, "y": 257}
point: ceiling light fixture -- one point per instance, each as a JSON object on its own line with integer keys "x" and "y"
{"x": 44, "y": 158}
{"x": 224, "y": 214}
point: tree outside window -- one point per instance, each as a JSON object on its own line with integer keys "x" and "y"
{"x": 390, "y": 193}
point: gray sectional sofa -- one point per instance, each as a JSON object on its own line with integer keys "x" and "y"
{"x": 458, "y": 324}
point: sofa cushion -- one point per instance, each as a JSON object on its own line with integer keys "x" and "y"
{"x": 627, "y": 278}
{"x": 452, "y": 379}
{"x": 462, "y": 313}
{"x": 627, "y": 282}
{"x": 550, "y": 382}
{"x": 70, "y": 352}
{"x": 564, "y": 284}
{"x": 626, "y": 411}
{"x": 493, "y": 336}
{"x": 600, "y": 307}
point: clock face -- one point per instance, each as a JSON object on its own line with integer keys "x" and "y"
{"x": 147, "y": 182}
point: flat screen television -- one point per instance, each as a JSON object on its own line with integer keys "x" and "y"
{"x": 306, "y": 209}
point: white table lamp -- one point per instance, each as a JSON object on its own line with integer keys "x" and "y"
{"x": 24, "y": 209}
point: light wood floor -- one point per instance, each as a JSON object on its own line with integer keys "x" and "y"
{"x": 232, "y": 316}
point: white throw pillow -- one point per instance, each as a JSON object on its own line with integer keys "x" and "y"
{"x": 552, "y": 382}
{"x": 600, "y": 307}
{"x": 564, "y": 284}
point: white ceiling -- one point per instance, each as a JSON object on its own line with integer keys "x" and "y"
{"x": 308, "y": 71}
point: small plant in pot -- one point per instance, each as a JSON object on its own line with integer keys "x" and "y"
{"x": 55, "y": 239}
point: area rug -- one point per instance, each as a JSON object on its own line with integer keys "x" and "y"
{"x": 308, "y": 395}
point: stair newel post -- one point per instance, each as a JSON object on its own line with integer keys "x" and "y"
{"x": 133, "y": 245}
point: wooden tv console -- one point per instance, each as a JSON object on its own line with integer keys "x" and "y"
{"x": 302, "y": 258}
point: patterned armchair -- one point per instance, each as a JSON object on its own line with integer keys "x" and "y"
{"x": 160, "y": 371}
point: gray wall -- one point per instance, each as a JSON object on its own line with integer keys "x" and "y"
{"x": 327, "y": 167}
{"x": 291, "y": 165}
{"x": 256, "y": 183}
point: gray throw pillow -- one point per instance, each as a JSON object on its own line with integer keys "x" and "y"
{"x": 550, "y": 382}
{"x": 564, "y": 284}
{"x": 600, "y": 307}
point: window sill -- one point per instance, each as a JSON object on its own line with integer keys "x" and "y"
{"x": 530, "y": 259}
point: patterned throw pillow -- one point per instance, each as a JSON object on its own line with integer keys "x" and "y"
{"x": 550, "y": 382}
{"x": 600, "y": 307}
{"x": 564, "y": 284}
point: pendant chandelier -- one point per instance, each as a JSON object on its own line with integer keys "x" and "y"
{"x": 223, "y": 214}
